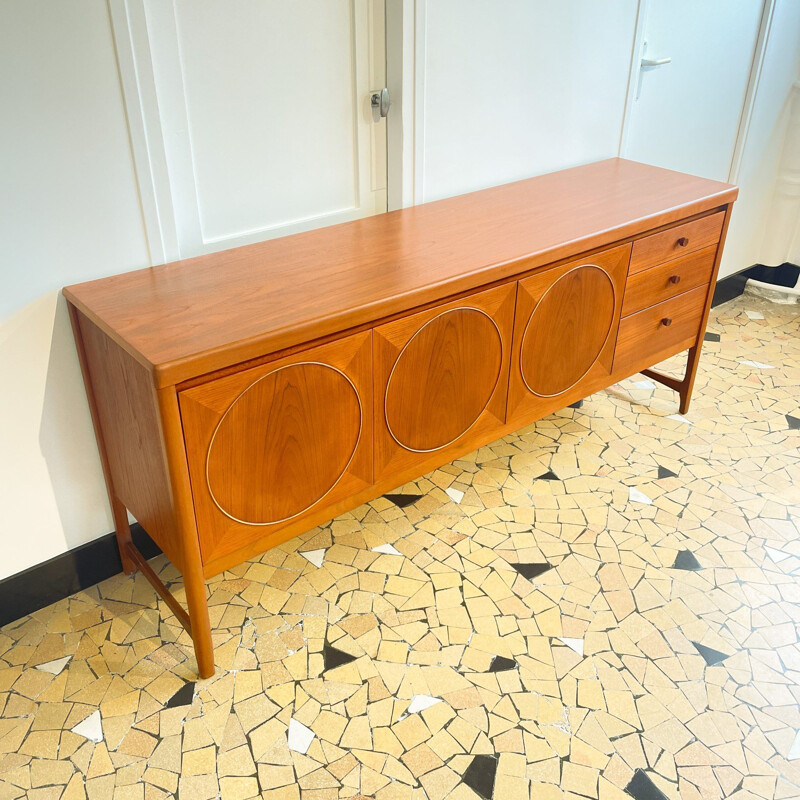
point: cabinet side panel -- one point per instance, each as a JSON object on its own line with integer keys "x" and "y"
{"x": 128, "y": 413}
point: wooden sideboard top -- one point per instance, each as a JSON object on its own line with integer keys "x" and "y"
{"x": 198, "y": 315}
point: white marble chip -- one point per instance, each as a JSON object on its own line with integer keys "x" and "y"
{"x": 54, "y": 667}
{"x": 455, "y": 495}
{"x": 573, "y": 644}
{"x": 387, "y": 549}
{"x": 680, "y": 418}
{"x": 91, "y": 728}
{"x": 419, "y": 702}
{"x": 637, "y": 496}
{"x": 644, "y": 384}
{"x": 756, "y": 364}
{"x": 776, "y": 555}
{"x": 794, "y": 750}
{"x": 316, "y": 557}
{"x": 300, "y": 737}
{"x": 754, "y": 314}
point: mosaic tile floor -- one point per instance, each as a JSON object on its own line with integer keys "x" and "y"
{"x": 604, "y": 605}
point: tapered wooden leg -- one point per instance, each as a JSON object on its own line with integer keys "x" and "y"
{"x": 688, "y": 382}
{"x": 684, "y": 386}
{"x": 123, "y": 532}
{"x": 196, "y": 599}
{"x": 193, "y": 577}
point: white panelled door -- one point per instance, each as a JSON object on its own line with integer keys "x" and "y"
{"x": 690, "y": 82}
{"x": 252, "y": 119}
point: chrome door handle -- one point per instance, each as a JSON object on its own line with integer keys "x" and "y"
{"x": 381, "y": 101}
{"x": 655, "y": 62}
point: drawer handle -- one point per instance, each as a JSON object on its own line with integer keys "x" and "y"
{"x": 675, "y": 279}
{"x": 666, "y": 322}
{"x": 682, "y": 242}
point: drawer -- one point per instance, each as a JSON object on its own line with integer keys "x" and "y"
{"x": 675, "y": 277}
{"x": 675, "y": 242}
{"x": 660, "y": 331}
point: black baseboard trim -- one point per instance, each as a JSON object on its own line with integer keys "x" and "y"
{"x": 46, "y": 583}
{"x": 733, "y": 286}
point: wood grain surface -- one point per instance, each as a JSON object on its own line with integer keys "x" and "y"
{"x": 651, "y": 286}
{"x": 283, "y": 443}
{"x": 659, "y": 331}
{"x": 567, "y": 330}
{"x": 443, "y": 379}
{"x": 266, "y": 446}
{"x": 676, "y": 242}
{"x": 195, "y": 316}
{"x": 440, "y": 378}
{"x": 566, "y": 342}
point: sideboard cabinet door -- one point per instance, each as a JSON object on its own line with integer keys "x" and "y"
{"x": 564, "y": 332}
{"x": 441, "y": 377}
{"x": 268, "y": 446}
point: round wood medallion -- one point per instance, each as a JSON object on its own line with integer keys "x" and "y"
{"x": 567, "y": 330}
{"x": 443, "y": 379}
{"x": 284, "y": 443}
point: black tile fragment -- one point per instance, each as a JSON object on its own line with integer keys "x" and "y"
{"x": 480, "y": 775}
{"x": 530, "y": 571}
{"x": 183, "y": 697}
{"x": 576, "y": 405}
{"x": 334, "y": 657}
{"x": 502, "y": 664}
{"x": 711, "y": 337}
{"x": 548, "y": 476}
{"x": 403, "y": 500}
{"x": 686, "y": 560}
{"x": 641, "y": 787}
{"x": 710, "y": 655}
{"x": 794, "y": 422}
{"x": 663, "y": 472}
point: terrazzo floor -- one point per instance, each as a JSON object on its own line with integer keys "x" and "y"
{"x": 604, "y": 605}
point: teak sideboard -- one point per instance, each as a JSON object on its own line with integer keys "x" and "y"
{"x": 243, "y": 397}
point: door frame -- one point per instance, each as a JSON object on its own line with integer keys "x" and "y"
{"x": 764, "y": 26}
{"x": 164, "y": 215}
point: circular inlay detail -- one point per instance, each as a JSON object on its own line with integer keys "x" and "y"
{"x": 443, "y": 379}
{"x": 284, "y": 443}
{"x": 567, "y": 330}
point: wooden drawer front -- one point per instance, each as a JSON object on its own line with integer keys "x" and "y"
{"x": 678, "y": 276}
{"x": 270, "y": 445}
{"x": 675, "y": 242}
{"x": 644, "y": 339}
{"x": 440, "y": 378}
{"x": 564, "y": 331}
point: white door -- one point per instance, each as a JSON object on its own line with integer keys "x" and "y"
{"x": 252, "y": 119}
{"x": 685, "y": 111}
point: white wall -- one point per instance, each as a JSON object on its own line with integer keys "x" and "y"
{"x": 69, "y": 211}
{"x": 752, "y": 239}
{"x": 515, "y": 88}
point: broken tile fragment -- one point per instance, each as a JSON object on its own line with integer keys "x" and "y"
{"x": 710, "y": 655}
{"x": 403, "y": 500}
{"x": 480, "y": 775}
{"x": 90, "y": 728}
{"x": 54, "y": 667}
{"x": 183, "y": 697}
{"x": 299, "y": 737}
{"x": 334, "y": 657}
{"x": 685, "y": 559}
{"x": 316, "y": 557}
{"x": 502, "y": 664}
